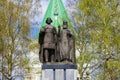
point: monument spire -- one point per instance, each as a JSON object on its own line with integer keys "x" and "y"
{"x": 56, "y": 11}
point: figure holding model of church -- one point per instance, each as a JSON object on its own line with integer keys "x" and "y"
{"x": 67, "y": 43}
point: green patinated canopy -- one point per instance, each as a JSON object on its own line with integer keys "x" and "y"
{"x": 57, "y": 13}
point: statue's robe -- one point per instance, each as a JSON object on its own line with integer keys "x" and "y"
{"x": 47, "y": 40}
{"x": 67, "y": 45}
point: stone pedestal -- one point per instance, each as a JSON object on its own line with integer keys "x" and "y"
{"x": 59, "y": 72}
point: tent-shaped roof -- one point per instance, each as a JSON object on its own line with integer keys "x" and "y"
{"x": 57, "y": 13}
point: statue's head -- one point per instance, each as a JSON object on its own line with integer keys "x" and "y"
{"x": 49, "y": 20}
{"x": 65, "y": 24}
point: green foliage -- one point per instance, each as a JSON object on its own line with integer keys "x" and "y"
{"x": 99, "y": 35}
{"x": 14, "y": 30}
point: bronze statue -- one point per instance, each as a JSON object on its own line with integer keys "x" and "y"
{"x": 67, "y": 44}
{"x": 47, "y": 41}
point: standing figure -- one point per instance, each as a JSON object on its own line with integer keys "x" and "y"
{"x": 67, "y": 44}
{"x": 47, "y": 41}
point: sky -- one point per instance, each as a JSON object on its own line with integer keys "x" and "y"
{"x": 36, "y": 21}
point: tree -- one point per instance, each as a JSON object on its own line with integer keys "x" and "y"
{"x": 14, "y": 36}
{"x": 101, "y": 21}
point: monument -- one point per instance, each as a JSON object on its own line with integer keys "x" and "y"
{"x": 57, "y": 44}
{"x": 57, "y": 52}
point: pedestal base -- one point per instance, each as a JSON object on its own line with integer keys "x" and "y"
{"x": 59, "y": 72}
